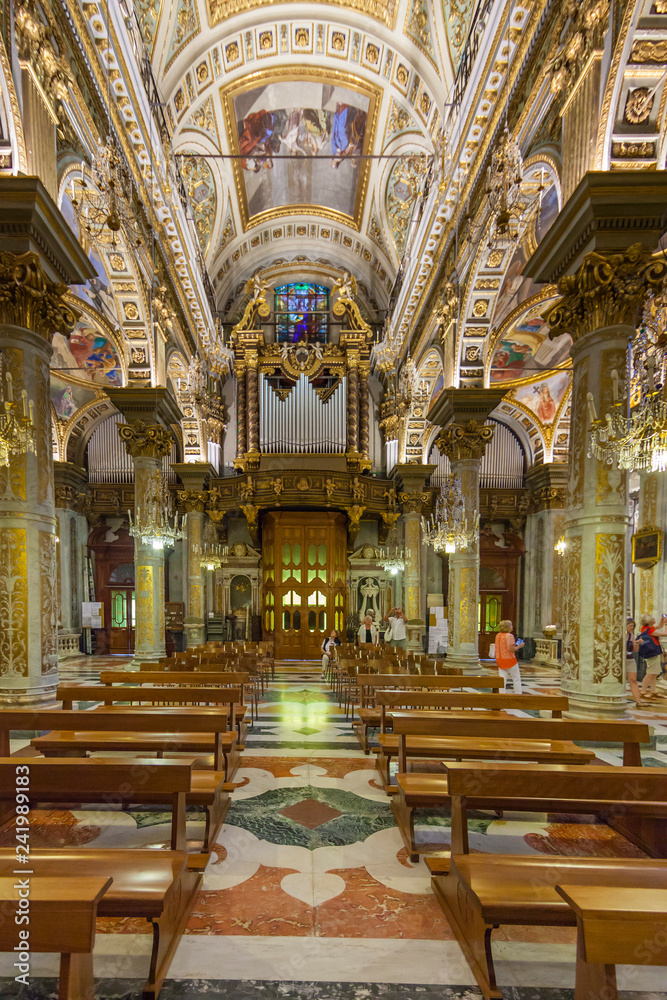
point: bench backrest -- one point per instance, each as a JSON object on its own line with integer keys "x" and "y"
{"x": 630, "y": 734}
{"x": 543, "y": 784}
{"x": 439, "y": 682}
{"x": 556, "y": 704}
{"x": 68, "y": 693}
{"x": 104, "y": 780}
{"x": 189, "y": 678}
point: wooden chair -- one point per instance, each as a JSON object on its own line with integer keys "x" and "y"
{"x": 62, "y": 920}
{"x": 481, "y": 891}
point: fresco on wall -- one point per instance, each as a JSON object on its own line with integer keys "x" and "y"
{"x": 548, "y": 213}
{"x": 525, "y": 348}
{"x": 89, "y": 354}
{"x": 319, "y": 142}
{"x": 67, "y": 399}
{"x": 544, "y": 398}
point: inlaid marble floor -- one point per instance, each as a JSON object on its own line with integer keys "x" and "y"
{"x": 309, "y": 891}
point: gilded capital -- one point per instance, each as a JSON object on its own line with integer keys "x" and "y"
{"x": 144, "y": 440}
{"x": 607, "y": 290}
{"x": 460, "y": 441}
{"x": 28, "y": 299}
{"x": 194, "y": 501}
{"x": 413, "y": 503}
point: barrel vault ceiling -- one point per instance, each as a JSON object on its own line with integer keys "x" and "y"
{"x": 274, "y": 102}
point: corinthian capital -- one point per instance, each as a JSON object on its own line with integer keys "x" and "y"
{"x": 461, "y": 441}
{"x": 607, "y": 290}
{"x": 194, "y": 501}
{"x": 28, "y": 299}
{"x": 144, "y": 440}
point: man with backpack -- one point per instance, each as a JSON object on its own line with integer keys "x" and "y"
{"x": 650, "y": 651}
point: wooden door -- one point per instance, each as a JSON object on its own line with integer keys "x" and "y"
{"x": 498, "y": 584}
{"x": 122, "y": 620}
{"x": 304, "y": 566}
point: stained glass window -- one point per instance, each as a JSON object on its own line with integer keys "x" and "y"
{"x": 301, "y": 313}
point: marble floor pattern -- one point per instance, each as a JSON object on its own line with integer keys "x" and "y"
{"x": 309, "y": 891}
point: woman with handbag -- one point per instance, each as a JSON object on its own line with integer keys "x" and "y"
{"x": 650, "y": 650}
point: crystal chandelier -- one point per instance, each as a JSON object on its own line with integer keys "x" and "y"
{"x": 503, "y": 189}
{"x": 156, "y": 524}
{"x": 637, "y": 441}
{"x": 392, "y": 560}
{"x": 211, "y": 553}
{"x": 449, "y": 530}
{"x": 195, "y": 384}
{"x": 17, "y": 423}
{"x": 107, "y": 203}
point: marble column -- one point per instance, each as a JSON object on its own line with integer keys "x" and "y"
{"x": 39, "y": 258}
{"x": 72, "y": 529}
{"x": 598, "y": 308}
{"x": 414, "y": 498}
{"x": 464, "y": 445}
{"x": 651, "y": 594}
{"x": 148, "y": 444}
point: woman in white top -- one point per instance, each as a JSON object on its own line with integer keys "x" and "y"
{"x": 327, "y": 649}
{"x": 367, "y": 631}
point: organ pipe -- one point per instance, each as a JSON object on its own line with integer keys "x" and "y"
{"x": 302, "y": 423}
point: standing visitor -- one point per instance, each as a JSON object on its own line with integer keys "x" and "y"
{"x": 367, "y": 632}
{"x": 506, "y": 646}
{"x": 650, "y": 650}
{"x": 399, "y": 632}
{"x": 327, "y": 649}
{"x": 631, "y": 659}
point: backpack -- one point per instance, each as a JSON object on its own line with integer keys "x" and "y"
{"x": 648, "y": 646}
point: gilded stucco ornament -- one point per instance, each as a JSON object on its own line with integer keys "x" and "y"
{"x": 29, "y": 300}
{"x": 257, "y": 308}
{"x": 607, "y": 290}
{"x": 193, "y": 500}
{"x": 145, "y": 440}
{"x": 461, "y": 441}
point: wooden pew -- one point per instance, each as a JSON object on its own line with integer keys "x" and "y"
{"x": 228, "y": 700}
{"x": 483, "y": 891}
{"x": 62, "y": 920}
{"x": 476, "y": 736}
{"x": 135, "y": 730}
{"x": 224, "y": 678}
{"x": 370, "y": 716}
{"x": 140, "y": 781}
{"x": 614, "y": 927}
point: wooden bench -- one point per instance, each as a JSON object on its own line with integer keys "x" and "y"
{"x": 157, "y": 886}
{"x": 370, "y": 715}
{"x": 615, "y": 926}
{"x": 62, "y": 920}
{"x": 117, "y": 781}
{"x": 476, "y": 736}
{"x": 229, "y": 700}
{"x": 135, "y": 730}
{"x": 483, "y": 891}
{"x": 191, "y": 678}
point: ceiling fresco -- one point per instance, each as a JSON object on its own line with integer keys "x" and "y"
{"x": 298, "y": 143}
{"x": 524, "y": 348}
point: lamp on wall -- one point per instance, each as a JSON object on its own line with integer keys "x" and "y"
{"x": 17, "y": 421}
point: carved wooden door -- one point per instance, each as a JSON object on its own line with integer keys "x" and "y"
{"x": 304, "y": 569}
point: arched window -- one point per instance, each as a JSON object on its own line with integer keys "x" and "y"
{"x": 301, "y": 313}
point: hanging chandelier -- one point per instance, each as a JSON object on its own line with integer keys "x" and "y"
{"x": 638, "y": 440}
{"x": 212, "y": 554}
{"x": 503, "y": 190}
{"x": 155, "y": 522}
{"x": 107, "y": 202}
{"x": 449, "y": 531}
{"x": 392, "y": 560}
{"x": 17, "y": 422}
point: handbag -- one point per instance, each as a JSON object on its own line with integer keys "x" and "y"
{"x": 648, "y": 646}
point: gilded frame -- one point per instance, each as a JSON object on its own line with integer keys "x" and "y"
{"x": 334, "y": 77}
{"x": 647, "y": 547}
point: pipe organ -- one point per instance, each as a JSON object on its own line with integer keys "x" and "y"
{"x": 108, "y": 460}
{"x": 302, "y": 422}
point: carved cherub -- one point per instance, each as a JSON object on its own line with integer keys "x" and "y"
{"x": 347, "y": 285}
{"x": 277, "y": 485}
{"x": 357, "y": 489}
{"x": 329, "y": 486}
{"x": 248, "y": 489}
{"x": 258, "y": 288}
{"x": 390, "y": 494}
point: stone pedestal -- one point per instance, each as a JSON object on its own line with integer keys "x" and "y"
{"x": 39, "y": 257}
{"x": 603, "y": 280}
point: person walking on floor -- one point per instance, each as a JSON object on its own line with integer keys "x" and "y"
{"x": 399, "y": 632}
{"x": 327, "y": 649}
{"x": 506, "y": 646}
{"x": 650, "y": 650}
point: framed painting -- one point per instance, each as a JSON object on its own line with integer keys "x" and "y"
{"x": 647, "y": 547}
